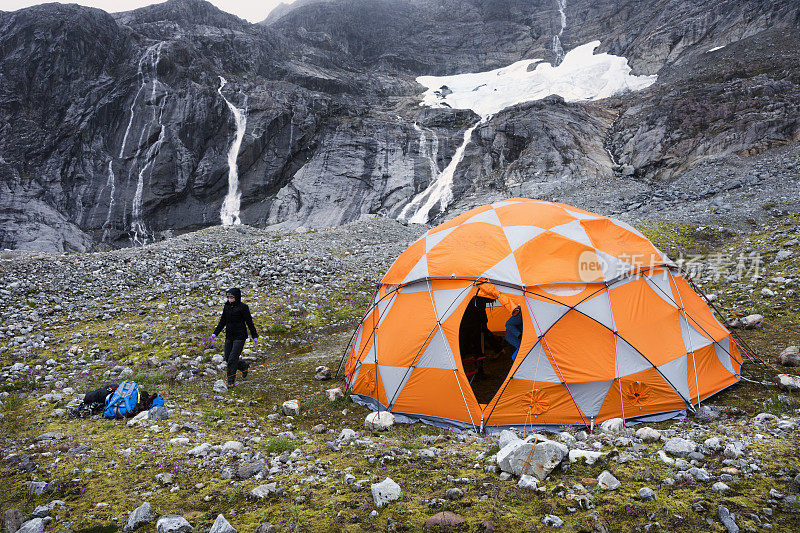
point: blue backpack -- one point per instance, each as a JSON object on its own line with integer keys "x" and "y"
{"x": 123, "y": 402}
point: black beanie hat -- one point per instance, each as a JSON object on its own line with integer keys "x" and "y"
{"x": 235, "y": 292}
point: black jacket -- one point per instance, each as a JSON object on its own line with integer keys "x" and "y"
{"x": 235, "y": 316}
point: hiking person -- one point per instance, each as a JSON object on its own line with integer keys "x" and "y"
{"x": 235, "y": 320}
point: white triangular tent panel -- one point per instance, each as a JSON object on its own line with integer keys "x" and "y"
{"x": 723, "y": 351}
{"x": 393, "y": 379}
{"x": 573, "y": 231}
{"x": 544, "y": 314}
{"x": 676, "y": 372}
{"x": 612, "y": 267}
{"x": 419, "y": 271}
{"x": 384, "y": 306}
{"x": 436, "y": 238}
{"x": 371, "y": 357}
{"x": 629, "y": 360}
{"x": 448, "y": 300}
{"x": 537, "y": 367}
{"x": 489, "y": 216}
{"x": 582, "y": 216}
{"x": 590, "y": 396}
{"x": 437, "y": 354}
{"x": 692, "y": 339}
{"x": 519, "y": 235}
{"x": 505, "y": 270}
{"x": 659, "y": 282}
{"x": 598, "y": 308}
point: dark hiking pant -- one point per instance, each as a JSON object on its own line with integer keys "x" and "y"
{"x": 233, "y": 349}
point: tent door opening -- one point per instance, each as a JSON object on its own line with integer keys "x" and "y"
{"x": 486, "y": 356}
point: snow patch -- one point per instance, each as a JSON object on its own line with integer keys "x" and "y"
{"x": 581, "y": 75}
{"x": 715, "y": 48}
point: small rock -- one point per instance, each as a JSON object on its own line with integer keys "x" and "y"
{"x": 173, "y": 523}
{"x": 607, "y": 481}
{"x": 266, "y": 527}
{"x": 232, "y": 446}
{"x": 379, "y": 420}
{"x": 264, "y": 491}
{"x": 648, "y": 434}
{"x": 220, "y": 386}
{"x": 679, "y": 447}
{"x": 201, "y": 450}
{"x": 334, "y": 394}
{"x": 35, "y": 525}
{"x": 727, "y": 519}
{"x": 221, "y": 526}
{"x": 159, "y": 412}
{"x": 647, "y": 494}
{"x": 787, "y": 382}
{"x": 291, "y": 408}
{"x": 751, "y": 321}
{"x": 141, "y": 515}
{"x": 720, "y": 487}
{"x": 322, "y": 373}
{"x": 443, "y": 520}
{"x": 384, "y": 492}
{"x": 613, "y": 425}
{"x": 454, "y": 494}
{"x": 790, "y": 356}
{"x": 552, "y": 521}
{"x": 12, "y": 520}
{"x": 527, "y": 482}
{"x": 164, "y": 478}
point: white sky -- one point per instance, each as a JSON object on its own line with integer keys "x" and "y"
{"x": 252, "y": 10}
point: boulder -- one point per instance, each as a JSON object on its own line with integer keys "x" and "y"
{"x": 141, "y": 515}
{"x": 790, "y": 356}
{"x": 291, "y": 408}
{"x": 516, "y": 457}
{"x": 322, "y": 373}
{"x": 334, "y": 394}
{"x": 506, "y": 437}
{"x": 384, "y": 492}
{"x": 221, "y": 526}
{"x": 443, "y": 520}
{"x": 787, "y": 382}
{"x": 379, "y": 420}
{"x": 173, "y": 523}
{"x": 607, "y": 481}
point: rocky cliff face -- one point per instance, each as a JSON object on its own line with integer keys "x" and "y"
{"x": 115, "y": 129}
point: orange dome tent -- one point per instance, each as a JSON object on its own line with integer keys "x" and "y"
{"x": 609, "y": 327}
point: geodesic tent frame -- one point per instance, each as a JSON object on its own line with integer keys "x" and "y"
{"x": 626, "y": 339}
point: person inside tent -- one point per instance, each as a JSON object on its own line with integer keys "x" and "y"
{"x": 473, "y": 331}
{"x": 514, "y": 331}
{"x": 235, "y": 320}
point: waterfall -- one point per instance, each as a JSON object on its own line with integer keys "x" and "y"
{"x": 440, "y": 189}
{"x": 139, "y": 232}
{"x": 111, "y": 183}
{"x": 229, "y": 213}
{"x": 557, "y": 49}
